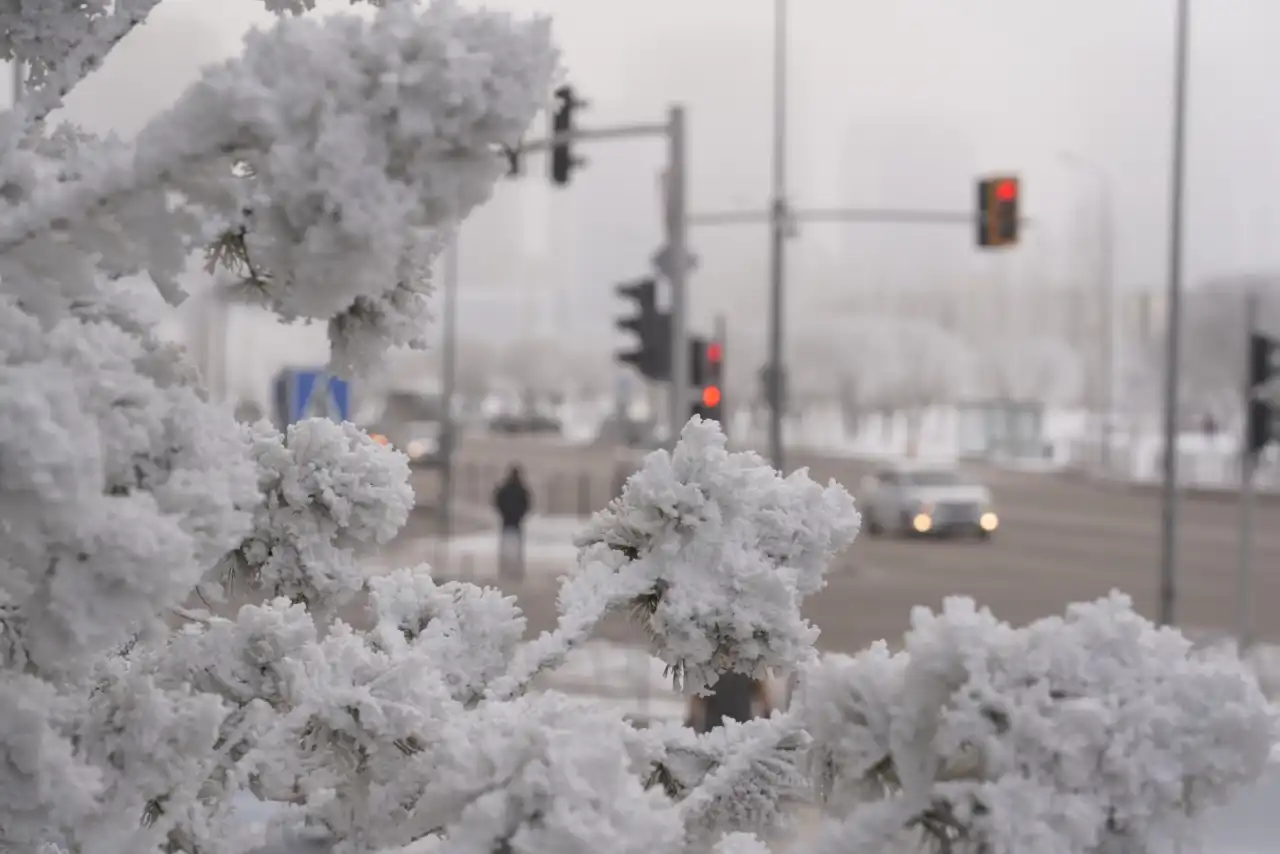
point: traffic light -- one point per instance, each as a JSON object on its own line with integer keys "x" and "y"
{"x": 707, "y": 361}
{"x": 1264, "y": 368}
{"x": 998, "y": 210}
{"x": 563, "y": 160}
{"x": 652, "y": 327}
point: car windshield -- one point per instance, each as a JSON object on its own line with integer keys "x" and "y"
{"x": 935, "y": 478}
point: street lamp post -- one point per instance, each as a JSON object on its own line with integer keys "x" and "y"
{"x": 448, "y": 436}
{"x": 778, "y": 223}
{"x": 1173, "y": 334}
{"x": 1106, "y": 300}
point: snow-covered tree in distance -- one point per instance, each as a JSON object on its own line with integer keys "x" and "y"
{"x": 326, "y": 165}
{"x": 1215, "y": 325}
{"x": 1028, "y": 368}
{"x": 906, "y": 365}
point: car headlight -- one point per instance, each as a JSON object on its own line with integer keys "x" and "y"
{"x": 988, "y": 521}
{"x": 416, "y": 449}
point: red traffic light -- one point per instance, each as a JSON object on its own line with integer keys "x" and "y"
{"x": 1007, "y": 190}
{"x": 711, "y": 397}
{"x": 715, "y": 352}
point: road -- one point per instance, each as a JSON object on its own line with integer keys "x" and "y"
{"x": 1062, "y": 539}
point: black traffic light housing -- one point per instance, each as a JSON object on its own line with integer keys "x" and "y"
{"x": 563, "y": 160}
{"x": 999, "y": 203}
{"x": 706, "y": 361}
{"x": 652, "y": 357}
{"x": 1262, "y": 424}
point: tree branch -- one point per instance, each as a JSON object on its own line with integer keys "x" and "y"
{"x": 105, "y": 32}
{"x": 58, "y": 207}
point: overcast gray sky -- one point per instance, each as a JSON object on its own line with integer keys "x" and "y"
{"x": 892, "y": 103}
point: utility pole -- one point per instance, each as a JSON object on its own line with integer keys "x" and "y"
{"x": 17, "y": 80}
{"x": 720, "y": 335}
{"x": 1248, "y": 468}
{"x": 448, "y": 383}
{"x": 1173, "y": 333}
{"x": 779, "y": 224}
{"x": 677, "y": 269}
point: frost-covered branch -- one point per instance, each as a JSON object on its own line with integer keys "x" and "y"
{"x": 725, "y": 550}
{"x": 739, "y": 777}
{"x": 1090, "y": 732}
{"x": 343, "y": 148}
{"x": 62, "y": 44}
{"x": 712, "y": 553}
{"x": 331, "y": 495}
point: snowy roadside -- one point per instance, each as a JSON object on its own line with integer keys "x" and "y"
{"x": 473, "y": 556}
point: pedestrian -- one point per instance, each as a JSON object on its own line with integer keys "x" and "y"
{"x": 512, "y": 501}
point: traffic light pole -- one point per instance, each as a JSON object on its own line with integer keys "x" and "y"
{"x": 677, "y": 226}
{"x": 720, "y": 334}
{"x": 1168, "y": 583}
{"x": 779, "y": 228}
{"x": 1248, "y": 468}
{"x": 448, "y": 387}
{"x": 874, "y": 216}
{"x": 677, "y": 242}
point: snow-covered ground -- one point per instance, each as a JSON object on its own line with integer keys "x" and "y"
{"x": 548, "y": 552}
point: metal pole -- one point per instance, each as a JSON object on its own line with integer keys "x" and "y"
{"x": 677, "y": 243}
{"x": 720, "y": 330}
{"x": 777, "y": 234}
{"x": 1248, "y": 465}
{"x": 1173, "y": 333}
{"x": 17, "y": 81}
{"x": 448, "y": 384}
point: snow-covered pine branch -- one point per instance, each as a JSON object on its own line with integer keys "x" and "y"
{"x": 336, "y": 154}
{"x": 1088, "y": 733}
{"x": 713, "y": 553}
{"x": 328, "y": 163}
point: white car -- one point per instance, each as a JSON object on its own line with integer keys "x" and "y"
{"x": 913, "y": 500}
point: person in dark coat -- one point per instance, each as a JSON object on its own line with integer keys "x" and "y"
{"x": 513, "y": 502}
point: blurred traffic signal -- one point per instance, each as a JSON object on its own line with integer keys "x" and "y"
{"x": 998, "y": 210}
{"x": 1264, "y": 369}
{"x": 563, "y": 160}
{"x": 707, "y": 376}
{"x": 652, "y": 356}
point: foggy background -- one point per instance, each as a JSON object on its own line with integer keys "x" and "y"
{"x": 892, "y": 105}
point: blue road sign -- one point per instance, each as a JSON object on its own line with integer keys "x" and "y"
{"x": 312, "y": 394}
